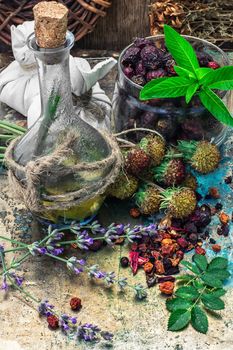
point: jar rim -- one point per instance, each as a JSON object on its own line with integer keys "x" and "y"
{"x": 68, "y": 44}
{"x": 161, "y": 36}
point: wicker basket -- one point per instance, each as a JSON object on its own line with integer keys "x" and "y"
{"x": 83, "y": 15}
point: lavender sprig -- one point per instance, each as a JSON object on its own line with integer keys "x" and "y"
{"x": 75, "y": 265}
{"x": 67, "y": 323}
{"x": 88, "y": 332}
{"x": 45, "y": 309}
{"x": 122, "y": 283}
{"x": 94, "y": 272}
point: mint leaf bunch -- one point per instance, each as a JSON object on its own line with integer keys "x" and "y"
{"x": 191, "y": 79}
{"x": 200, "y": 291}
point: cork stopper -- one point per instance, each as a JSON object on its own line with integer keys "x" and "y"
{"x": 51, "y": 19}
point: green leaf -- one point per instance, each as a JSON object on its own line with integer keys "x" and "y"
{"x": 177, "y": 303}
{"x": 180, "y": 49}
{"x": 182, "y": 72}
{"x": 200, "y": 261}
{"x": 184, "y": 278}
{"x": 221, "y": 78}
{"x": 188, "y": 292}
{"x": 208, "y": 279}
{"x": 191, "y": 267}
{"x": 201, "y": 72}
{"x": 212, "y": 302}
{"x": 191, "y": 91}
{"x": 220, "y": 274}
{"x": 215, "y": 106}
{"x": 198, "y": 285}
{"x": 178, "y": 320}
{"x": 146, "y": 90}
{"x": 199, "y": 320}
{"x": 218, "y": 293}
{"x": 169, "y": 87}
{"x": 218, "y": 263}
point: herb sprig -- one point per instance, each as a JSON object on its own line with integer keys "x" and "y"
{"x": 191, "y": 79}
{"x": 202, "y": 291}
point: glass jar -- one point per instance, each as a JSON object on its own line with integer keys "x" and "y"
{"x": 59, "y": 122}
{"x": 172, "y": 118}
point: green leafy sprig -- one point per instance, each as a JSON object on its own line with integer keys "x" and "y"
{"x": 191, "y": 79}
{"x": 201, "y": 292}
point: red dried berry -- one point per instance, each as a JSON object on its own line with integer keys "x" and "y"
{"x": 200, "y": 251}
{"x": 216, "y": 248}
{"x": 53, "y": 322}
{"x": 75, "y": 304}
{"x": 155, "y": 74}
{"x": 213, "y": 65}
{"x": 134, "y": 213}
{"x": 124, "y": 261}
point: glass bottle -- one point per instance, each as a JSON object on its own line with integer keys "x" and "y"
{"x": 57, "y": 120}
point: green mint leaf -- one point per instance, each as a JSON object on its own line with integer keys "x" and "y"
{"x": 199, "y": 320}
{"x": 188, "y": 292}
{"x": 208, "y": 279}
{"x": 218, "y": 263}
{"x": 184, "y": 278}
{"x": 212, "y": 303}
{"x": 221, "y": 78}
{"x": 191, "y": 267}
{"x": 182, "y": 72}
{"x": 200, "y": 261}
{"x": 177, "y": 303}
{"x": 220, "y": 274}
{"x": 215, "y": 106}
{"x": 197, "y": 284}
{"x": 180, "y": 49}
{"x": 191, "y": 91}
{"x": 201, "y": 72}
{"x": 169, "y": 87}
{"x": 178, "y": 320}
{"x": 218, "y": 293}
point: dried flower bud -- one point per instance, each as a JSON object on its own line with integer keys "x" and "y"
{"x": 148, "y": 267}
{"x": 166, "y": 241}
{"x": 175, "y": 262}
{"x": 213, "y": 191}
{"x": 168, "y": 249}
{"x": 180, "y": 254}
{"x": 182, "y": 242}
{"x": 75, "y": 304}
{"x": 53, "y": 322}
{"x": 167, "y": 287}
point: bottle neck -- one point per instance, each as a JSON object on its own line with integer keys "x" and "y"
{"x": 54, "y": 79}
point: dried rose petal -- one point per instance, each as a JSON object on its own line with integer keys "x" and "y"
{"x": 142, "y": 261}
{"x": 183, "y": 243}
{"x": 159, "y": 267}
{"x": 133, "y": 259}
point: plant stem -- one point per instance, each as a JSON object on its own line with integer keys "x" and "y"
{"x": 22, "y": 290}
{"x": 11, "y": 129}
{"x": 56, "y": 257}
{"x": 15, "y": 249}
{"x": 3, "y": 262}
{"x": 6, "y": 137}
{"x": 2, "y": 148}
{"x": 14, "y": 241}
{"x": 18, "y": 261}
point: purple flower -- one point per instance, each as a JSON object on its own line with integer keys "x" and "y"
{"x": 75, "y": 265}
{"x": 18, "y": 280}
{"x": 83, "y": 240}
{"x": 1, "y": 248}
{"x": 88, "y": 332}
{"x": 95, "y": 228}
{"x": 44, "y": 308}
{"x": 4, "y": 286}
{"x": 55, "y": 250}
{"x": 120, "y": 229}
{"x": 94, "y": 272}
{"x": 67, "y": 323}
{"x": 35, "y": 249}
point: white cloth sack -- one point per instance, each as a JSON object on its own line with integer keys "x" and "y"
{"x": 19, "y": 84}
